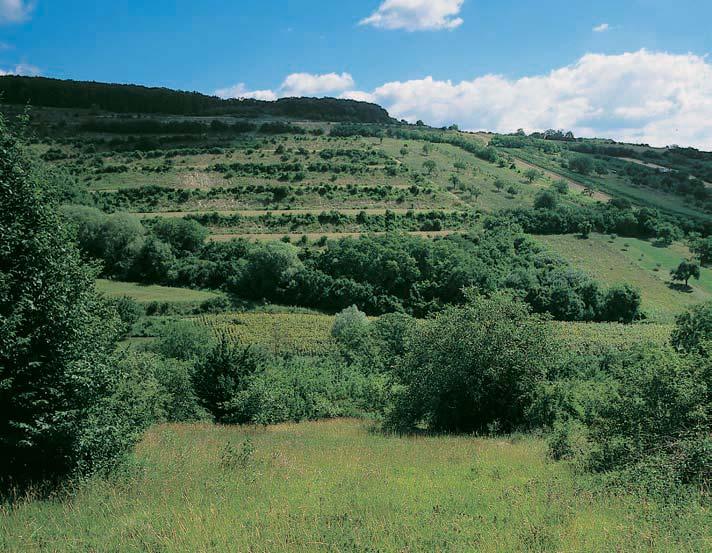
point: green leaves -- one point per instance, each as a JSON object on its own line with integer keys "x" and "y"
{"x": 57, "y": 337}
{"x": 473, "y": 367}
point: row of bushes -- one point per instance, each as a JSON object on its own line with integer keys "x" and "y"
{"x": 406, "y": 133}
{"x": 151, "y": 197}
{"x": 155, "y": 126}
{"x": 617, "y": 217}
{"x": 335, "y": 221}
{"x": 394, "y": 272}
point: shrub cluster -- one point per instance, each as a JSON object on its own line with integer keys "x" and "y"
{"x": 380, "y": 274}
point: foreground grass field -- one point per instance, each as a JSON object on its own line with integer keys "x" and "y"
{"x": 336, "y": 486}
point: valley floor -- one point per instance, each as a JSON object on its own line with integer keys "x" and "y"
{"x": 339, "y": 486}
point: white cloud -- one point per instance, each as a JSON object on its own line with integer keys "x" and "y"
{"x": 358, "y": 95}
{"x": 416, "y": 15}
{"x": 296, "y": 84}
{"x": 241, "y": 91}
{"x": 643, "y": 96}
{"x": 23, "y": 69}
{"x": 306, "y": 84}
{"x": 602, "y": 28}
{"x": 15, "y": 11}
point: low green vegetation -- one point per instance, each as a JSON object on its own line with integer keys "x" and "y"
{"x": 391, "y": 272}
{"x": 336, "y": 485}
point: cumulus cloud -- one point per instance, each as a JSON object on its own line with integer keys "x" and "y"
{"x": 240, "y": 90}
{"x": 15, "y": 11}
{"x": 643, "y": 96}
{"x": 602, "y": 28}
{"x": 296, "y": 84}
{"x": 416, "y": 15}
{"x": 23, "y": 69}
{"x": 306, "y": 84}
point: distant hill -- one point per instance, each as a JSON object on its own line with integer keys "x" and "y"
{"x": 120, "y": 98}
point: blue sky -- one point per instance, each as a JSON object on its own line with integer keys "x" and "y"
{"x": 384, "y": 50}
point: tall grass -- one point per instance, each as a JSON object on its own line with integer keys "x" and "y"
{"x": 336, "y": 486}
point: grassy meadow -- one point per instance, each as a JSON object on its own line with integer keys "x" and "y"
{"x": 151, "y": 293}
{"x": 616, "y": 260}
{"x": 338, "y": 486}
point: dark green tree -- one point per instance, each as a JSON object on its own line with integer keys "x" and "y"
{"x": 59, "y": 409}
{"x": 693, "y": 328}
{"x": 221, "y": 375}
{"x": 622, "y": 304}
{"x": 703, "y": 248}
{"x": 582, "y": 164}
{"x": 430, "y": 166}
{"x": 531, "y": 175}
{"x": 472, "y": 368}
{"x": 546, "y": 199}
{"x": 585, "y": 228}
{"x": 685, "y": 271}
{"x": 186, "y": 235}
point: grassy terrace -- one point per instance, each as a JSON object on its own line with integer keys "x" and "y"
{"x": 614, "y": 185}
{"x": 335, "y": 486}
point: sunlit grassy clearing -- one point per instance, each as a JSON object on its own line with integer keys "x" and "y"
{"x": 147, "y": 294}
{"x": 636, "y": 262}
{"x": 333, "y": 486}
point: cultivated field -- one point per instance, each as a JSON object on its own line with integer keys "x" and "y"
{"x": 310, "y": 333}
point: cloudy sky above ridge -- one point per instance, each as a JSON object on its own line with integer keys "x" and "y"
{"x": 634, "y": 70}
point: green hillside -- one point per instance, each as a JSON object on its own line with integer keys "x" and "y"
{"x": 311, "y": 181}
{"x": 305, "y": 326}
